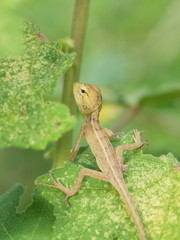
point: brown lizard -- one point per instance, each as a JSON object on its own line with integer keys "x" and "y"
{"x": 110, "y": 160}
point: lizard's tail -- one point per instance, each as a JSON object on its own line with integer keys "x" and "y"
{"x": 124, "y": 193}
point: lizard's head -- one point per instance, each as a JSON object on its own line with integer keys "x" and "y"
{"x": 88, "y": 97}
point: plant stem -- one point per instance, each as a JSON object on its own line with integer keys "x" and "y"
{"x": 63, "y": 145}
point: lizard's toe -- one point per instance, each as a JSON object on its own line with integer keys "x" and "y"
{"x": 124, "y": 168}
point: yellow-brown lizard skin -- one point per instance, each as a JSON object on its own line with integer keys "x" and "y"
{"x": 110, "y": 160}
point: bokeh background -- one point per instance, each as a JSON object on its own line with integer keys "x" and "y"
{"x": 132, "y": 52}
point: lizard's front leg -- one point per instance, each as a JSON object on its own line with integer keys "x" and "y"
{"x": 76, "y": 146}
{"x": 70, "y": 192}
{"x": 119, "y": 149}
{"x": 110, "y": 133}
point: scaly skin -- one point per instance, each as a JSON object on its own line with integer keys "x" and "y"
{"x": 110, "y": 160}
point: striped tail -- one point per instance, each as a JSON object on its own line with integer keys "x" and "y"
{"x": 121, "y": 187}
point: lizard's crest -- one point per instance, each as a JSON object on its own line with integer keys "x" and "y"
{"x": 88, "y": 97}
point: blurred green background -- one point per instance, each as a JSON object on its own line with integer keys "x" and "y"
{"x": 132, "y": 52}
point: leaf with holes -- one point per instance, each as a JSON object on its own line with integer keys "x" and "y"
{"x": 27, "y": 118}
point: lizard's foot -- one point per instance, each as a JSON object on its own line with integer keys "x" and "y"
{"x": 70, "y": 193}
{"x": 124, "y": 168}
{"x": 137, "y": 137}
{"x": 177, "y": 167}
{"x": 56, "y": 181}
{"x": 56, "y": 184}
{"x": 67, "y": 200}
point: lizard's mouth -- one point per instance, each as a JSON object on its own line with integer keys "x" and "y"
{"x": 75, "y": 87}
{"x": 77, "y": 94}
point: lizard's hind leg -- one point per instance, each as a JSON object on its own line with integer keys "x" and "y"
{"x": 72, "y": 191}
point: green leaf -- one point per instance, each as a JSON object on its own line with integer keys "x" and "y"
{"x": 163, "y": 96}
{"x": 97, "y": 212}
{"x": 27, "y": 119}
{"x": 9, "y": 202}
{"x": 34, "y": 224}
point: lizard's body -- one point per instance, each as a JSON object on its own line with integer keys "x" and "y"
{"x": 99, "y": 143}
{"x": 109, "y": 159}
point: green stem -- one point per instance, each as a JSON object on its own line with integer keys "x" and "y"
{"x": 63, "y": 145}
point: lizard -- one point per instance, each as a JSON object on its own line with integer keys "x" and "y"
{"x": 110, "y": 160}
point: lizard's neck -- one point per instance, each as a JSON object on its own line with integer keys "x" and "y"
{"x": 92, "y": 118}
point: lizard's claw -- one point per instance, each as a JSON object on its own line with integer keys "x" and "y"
{"x": 55, "y": 180}
{"x": 68, "y": 195}
{"x": 137, "y": 133}
{"x": 177, "y": 167}
{"x": 145, "y": 143}
{"x": 124, "y": 168}
{"x": 137, "y": 137}
{"x": 67, "y": 200}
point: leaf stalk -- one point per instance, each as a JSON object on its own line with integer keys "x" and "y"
{"x": 79, "y": 26}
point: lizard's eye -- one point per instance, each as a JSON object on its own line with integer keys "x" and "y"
{"x": 82, "y": 90}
